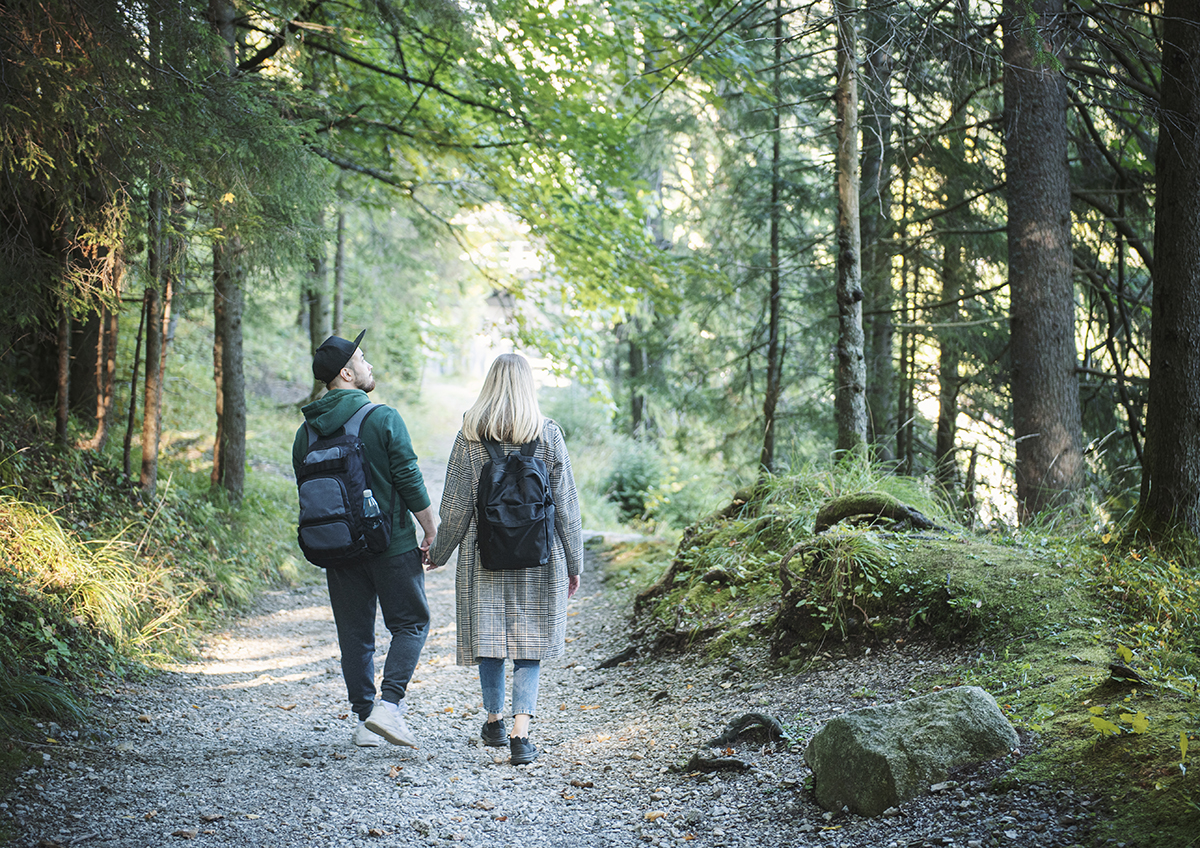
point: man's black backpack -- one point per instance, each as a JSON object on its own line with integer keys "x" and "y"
{"x": 333, "y": 530}
{"x": 515, "y": 510}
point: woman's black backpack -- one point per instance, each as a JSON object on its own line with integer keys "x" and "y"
{"x": 515, "y": 510}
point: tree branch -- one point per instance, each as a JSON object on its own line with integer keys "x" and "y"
{"x": 1122, "y": 225}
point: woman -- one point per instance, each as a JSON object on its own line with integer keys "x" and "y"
{"x": 521, "y": 614}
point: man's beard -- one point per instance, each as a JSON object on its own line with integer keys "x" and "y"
{"x": 367, "y": 384}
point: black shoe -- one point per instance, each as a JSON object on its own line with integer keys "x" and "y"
{"x": 523, "y": 751}
{"x": 493, "y": 733}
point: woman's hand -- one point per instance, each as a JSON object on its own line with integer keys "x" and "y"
{"x": 572, "y": 585}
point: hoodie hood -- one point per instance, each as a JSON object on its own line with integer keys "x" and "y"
{"x": 329, "y": 412}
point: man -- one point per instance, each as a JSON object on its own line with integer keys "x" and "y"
{"x": 396, "y": 577}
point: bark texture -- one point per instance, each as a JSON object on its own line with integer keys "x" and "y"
{"x": 317, "y": 300}
{"x": 850, "y": 405}
{"x": 1171, "y": 474}
{"x": 874, "y": 217}
{"x": 104, "y": 376}
{"x": 771, "y": 398}
{"x": 229, "y": 446}
{"x": 229, "y": 449}
{"x": 1045, "y": 386}
{"x": 62, "y": 405}
{"x": 152, "y": 405}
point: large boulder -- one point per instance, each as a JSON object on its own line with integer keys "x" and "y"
{"x": 879, "y": 757}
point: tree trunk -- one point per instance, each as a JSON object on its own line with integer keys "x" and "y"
{"x": 229, "y": 447}
{"x": 85, "y": 352}
{"x": 133, "y": 391}
{"x": 316, "y": 295}
{"x": 850, "y": 407}
{"x": 1045, "y": 385}
{"x": 62, "y": 406}
{"x": 906, "y": 397}
{"x": 874, "y": 217}
{"x": 909, "y": 274}
{"x": 771, "y": 399}
{"x": 175, "y": 273}
{"x": 339, "y": 274}
{"x": 152, "y": 405}
{"x": 1170, "y": 499}
{"x": 953, "y": 283}
{"x": 637, "y": 365}
{"x": 945, "y": 470}
{"x": 218, "y": 471}
{"x": 105, "y": 377}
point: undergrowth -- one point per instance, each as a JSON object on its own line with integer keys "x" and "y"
{"x": 1091, "y": 649}
{"x": 95, "y": 582}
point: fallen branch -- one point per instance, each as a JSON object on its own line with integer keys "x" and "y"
{"x": 614, "y": 661}
{"x": 707, "y": 764}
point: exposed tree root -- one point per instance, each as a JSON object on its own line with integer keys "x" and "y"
{"x": 869, "y": 503}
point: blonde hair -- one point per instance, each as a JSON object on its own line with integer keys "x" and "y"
{"x": 507, "y": 408}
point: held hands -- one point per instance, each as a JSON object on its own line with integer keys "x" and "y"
{"x": 425, "y": 545}
{"x": 426, "y": 520}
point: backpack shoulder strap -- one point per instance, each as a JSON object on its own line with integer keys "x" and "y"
{"x": 350, "y": 428}
{"x": 528, "y": 449}
{"x": 494, "y": 451}
{"x": 355, "y": 422}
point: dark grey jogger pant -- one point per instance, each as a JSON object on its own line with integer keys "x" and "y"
{"x": 398, "y": 585}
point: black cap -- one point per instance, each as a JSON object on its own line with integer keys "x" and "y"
{"x": 331, "y": 357}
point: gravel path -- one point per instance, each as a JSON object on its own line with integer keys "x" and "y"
{"x": 250, "y": 745}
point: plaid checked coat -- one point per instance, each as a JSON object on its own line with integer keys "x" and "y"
{"x": 517, "y": 614}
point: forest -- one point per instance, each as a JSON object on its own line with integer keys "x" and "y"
{"x": 954, "y": 243}
{"x": 955, "y": 237}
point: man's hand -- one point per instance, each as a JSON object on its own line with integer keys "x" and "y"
{"x": 425, "y": 519}
{"x": 426, "y": 543}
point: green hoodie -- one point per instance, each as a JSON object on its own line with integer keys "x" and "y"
{"x": 395, "y": 477}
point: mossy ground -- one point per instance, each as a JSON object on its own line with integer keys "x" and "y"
{"x": 1039, "y": 624}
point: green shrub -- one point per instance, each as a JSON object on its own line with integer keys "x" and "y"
{"x": 1156, "y": 598}
{"x": 26, "y": 696}
{"x": 585, "y": 419}
{"x": 636, "y": 472}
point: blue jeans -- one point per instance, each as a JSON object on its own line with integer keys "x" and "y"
{"x": 525, "y": 685}
{"x": 397, "y": 584}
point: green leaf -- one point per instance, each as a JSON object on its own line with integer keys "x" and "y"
{"x": 1140, "y": 723}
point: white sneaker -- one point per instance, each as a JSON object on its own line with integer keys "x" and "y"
{"x": 387, "y": 720}
{"x": 365, "y": 738}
